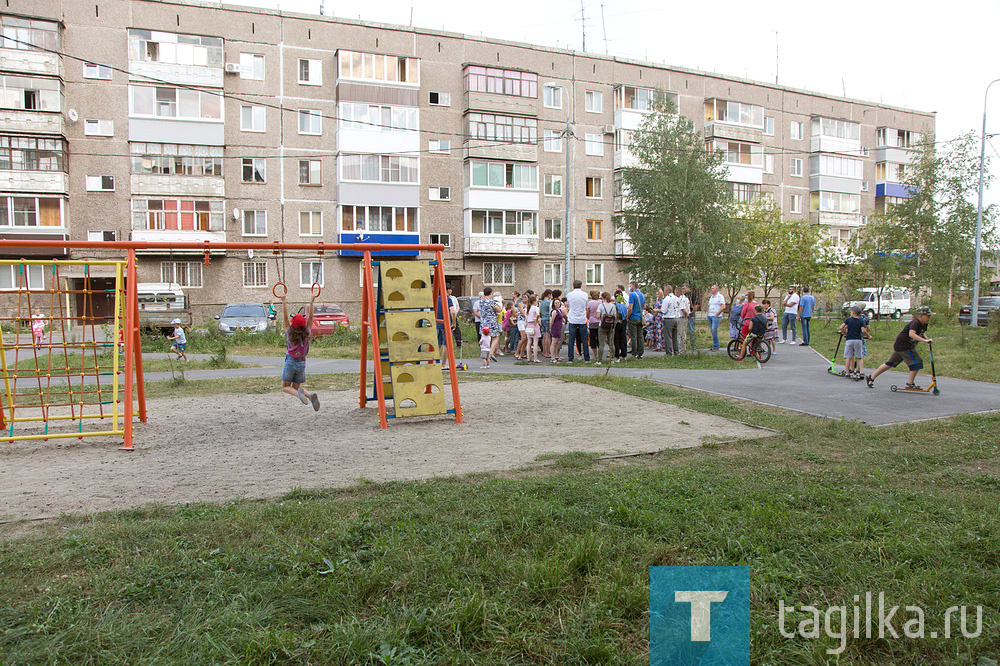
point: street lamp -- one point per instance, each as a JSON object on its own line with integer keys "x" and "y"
{"x": 979, "y": 212}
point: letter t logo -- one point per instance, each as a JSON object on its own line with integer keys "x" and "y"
{"x": 701, "y": 613}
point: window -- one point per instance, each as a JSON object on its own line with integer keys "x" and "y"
{"x": 768, "y": 163}
{"x": 501, "y": 274}
{"x": 552, "y": 229}
{"x": 378, "y": 67}
{"x": 254, "y": 170}
{"x": 354, "y": 115}
{"x": 595, "y": 274}
{"x": 734, "y": 113}
{"x": 552, "y": 273}
{"x": 254, "y": 273}
{"x": 743, "y": 192}
{"x": 594, "y": 187}
{"x": 179, "y": 159}
{"x": 379, "y": 218}
{"x": 439, "y": 99}
{"x": 505, "y": 222}
{"x": 184, "y": 273}
{"x": 593, "y": 101}
{"x": 13, "y": 280}
{"x": 253, "y": 118}
{"x": 174, "y": 49}
{"x": 380, "y": 168}
{"x": 552, "y": 141}
{"x": 99, "y": 127}
{"x": 796, "y": 166}
{"x": 865, "y": 152}
{"x": 31, "y": 34}
{"x": 310, "y": 172}
{"x": 252, "y": 66}
{"x": 254, "y": 222}
{"x": 504, "y": 175}
{"x": 835, "y": 202}
{"x": 835, "y": 165}
{"x": 553, "y": 185}
{"x": 891, "y": 172}
{"x": 439, "y": 194}
{"x": 736, "y": 152}
{"x": 864, "y": 186}
{"x": 880, "y": 137}
{"x": 22, "y": 92}
{"x": 841, "y": 129}
{"x": 595, "y": 230}
{"x": 501, "y": 81}
{"x": 310, "y": 273}
{"x": 636, "y": 99}
{"x": 310, "y": 223}
{"x": 100, "y": 183}
{"x": 178, "y": 215}
{"x": 440, "y": 239}
{"x": 768, "y": 125}
{"x": 310, "y": 72}
{"x": 796, "y": 203}
{"x": 509, "y": 129}
{"x": 96, "y": 71}
{"x": 552, "y": 96}
{"x": 595, "y": 144}
{"x": 795, "y": 129}
{"x": 28, "y": 153}
{"x": 30, "y": 212}
{"x": 310, "y": 121}
{"x": 102, "y": 236}
{"x": 183, "y": 103}
{"x": 442, "y": 146}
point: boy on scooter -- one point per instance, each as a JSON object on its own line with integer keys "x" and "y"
{"x": 904, "y": 349}
{"x": 854, "y": 329}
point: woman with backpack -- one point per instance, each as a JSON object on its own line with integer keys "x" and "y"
{"x": 607, "y": 315}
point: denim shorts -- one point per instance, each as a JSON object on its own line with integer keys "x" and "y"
{"x": 181, "y": 346}
{"x": 294, "y": 370}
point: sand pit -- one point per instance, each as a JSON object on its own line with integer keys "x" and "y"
{"x": 233, "y": 446}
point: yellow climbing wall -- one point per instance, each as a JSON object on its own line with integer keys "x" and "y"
{"x": 409, "y": 335}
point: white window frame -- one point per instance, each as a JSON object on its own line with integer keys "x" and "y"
{"x": 96, "y": 127}
{"x": 312, "y": 264}
{"x": 795, "y": 206}
{"x": 444, "y": 99}
{"x": 440, "y": 146}
{"x": 552, "y": 96}
{"x": 768, "y": 163}
{"x": 491, "y": 278}
{"x": 256, "y": 113}
{"x": 796, "y": 130}
{"x": 547, "y": 273}
{"x": 311, "y": 182}
{"x": 312, "y": 218}
{"x": 550, "y": 223}
{"x": 439, "y": 239}
{"x": 101, "y": 236}
{"x": 600, "y": 187}
{"x": 595, "y": 274}
{"x": 248, "y": 62}
{"x": 7, "y": 202}
{"x": 595, "y": 144}
{"x": 864, "y": 186}
{"x": 439, "y": 194}
{"x": 94, "y": 70}
{"x": 796, "y": 167}
{"x": 552, "y": 141}
{"x": 99, "y": 183}
{"x": 314, "y": 117}
{"x": 768, "y": 125}
{"x": 552, "y": 182}
{"x": 35, "y": 278}
{"x": 594, "y": 101}
{"x": 254, "y": 163}
{"x": 186, "y": 282}
{"x": 314, "y": 72}
{"x": 257, "y": 270}
{"x": 258, "y": 217}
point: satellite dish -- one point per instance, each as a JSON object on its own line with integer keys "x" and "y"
{"x": 73, "y": 115}
{"x": 250, "y": 253}
{"x": 236, "y": 213}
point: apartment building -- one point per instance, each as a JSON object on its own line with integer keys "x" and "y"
{"x": 167, "y": 120}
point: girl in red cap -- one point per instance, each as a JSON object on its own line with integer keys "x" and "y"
{"x": 297, "y": 338}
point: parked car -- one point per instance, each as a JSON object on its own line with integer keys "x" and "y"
{"x": 243, "y": 317}
{"x": 987, "y": 304}
{"x": 327, "y": 318}
{"x": 160, "y": 303}
{"x": 894, "y": 302}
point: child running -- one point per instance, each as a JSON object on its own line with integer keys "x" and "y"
{"x": 904, "y": 349}
{"x": 485, "y": 342}
{"x": 854, "y": 330}
{"x": 180, "y": 341}
{"x": 297, "y": 338}
{"x": 37, "y": 327}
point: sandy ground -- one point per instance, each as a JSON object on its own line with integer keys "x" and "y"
{"x": 232, "y": 446}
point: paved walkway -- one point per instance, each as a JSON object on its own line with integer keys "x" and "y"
{"x": 795, "y": 378}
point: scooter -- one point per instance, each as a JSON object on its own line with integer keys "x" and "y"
{"x": 932, "y": 387}
{"x": 833, "y": 360}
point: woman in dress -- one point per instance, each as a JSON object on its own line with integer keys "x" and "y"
{"x": 533, "y": 328}
{"x": 656, "y": 326}
{"x": 488, "y": 311}
{"x": 556, "y": 329}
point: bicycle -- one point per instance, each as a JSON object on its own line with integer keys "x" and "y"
{"x": 759, "y": 349}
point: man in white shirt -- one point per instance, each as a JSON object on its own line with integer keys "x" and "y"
{"x": 716, "y": 306}
{"x": 577, "y": 319}
{"x": 684, "y": 303}
{"x": 671, "y": 309}
{"x": 790, "y": 314}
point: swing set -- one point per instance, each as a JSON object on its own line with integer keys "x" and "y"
{"x": 86, "y": 365}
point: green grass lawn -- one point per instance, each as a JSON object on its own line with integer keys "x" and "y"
{"x": 542, "y": 566}
{"x": 959, "y": 351}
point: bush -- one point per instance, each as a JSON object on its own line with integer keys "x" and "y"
{"x": 994, "y": 326}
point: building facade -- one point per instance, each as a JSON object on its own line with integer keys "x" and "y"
{"x": 164, "y": 120}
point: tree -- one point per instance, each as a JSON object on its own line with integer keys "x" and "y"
{"x": 876, "y": 258}
{"x": 676, "y": 210}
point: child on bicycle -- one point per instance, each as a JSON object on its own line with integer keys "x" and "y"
{"x": 758, "y": 326}
{"x": 904, "y": 349}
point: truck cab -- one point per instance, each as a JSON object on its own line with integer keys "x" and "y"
{"x": 160, "y": 303}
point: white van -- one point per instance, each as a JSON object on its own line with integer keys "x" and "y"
{"x": 160, "y": 303}
{"x": 894, "y": 302}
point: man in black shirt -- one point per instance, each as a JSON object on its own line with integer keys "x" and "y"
{"x": 759, "y": 327}
{"x": 904, "y": 348}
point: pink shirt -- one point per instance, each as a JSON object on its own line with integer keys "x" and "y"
{"x": 594, "y": 318}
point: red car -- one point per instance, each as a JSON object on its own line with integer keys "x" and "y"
{"x": 328, "y": 318}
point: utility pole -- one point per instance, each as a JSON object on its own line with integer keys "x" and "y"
{"x": 979, "y": 213}
{"x": 568, "y": 191}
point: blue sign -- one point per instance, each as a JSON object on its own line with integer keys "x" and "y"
{"x": 699, "y": 616}
{"x": 395, "y": 239}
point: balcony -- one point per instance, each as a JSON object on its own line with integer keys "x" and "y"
{"x": 505, "y": 104}
{"x": 830, "y": 219}
{"x": 42, "y": 182}
{"x": 833, "y": 144}
{"x": 380, "y": 141}
{"x": 199, "y": 186}
{"x": 724, "y": 130}
{"x": 895, "y": 155}
{"x": 823, "y": 183}
{"x": 745, "y": 173}
{"x": 625, "y": 159}
{"x": 500, "y": 245}
{"x": 490, "y": 150}
{"x": 624, "y": 249}
{"x": 188, "y": 75}
{"x": 395, "y": 238}
{"x": 887, "y": 189}
{"x": 29, "y": 62}
{"x": 19, "y": 120}
{"x": 33, "y": 233}
{"x": 175, "y": 236}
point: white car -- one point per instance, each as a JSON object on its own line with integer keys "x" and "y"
{"x": 894, "y": 302}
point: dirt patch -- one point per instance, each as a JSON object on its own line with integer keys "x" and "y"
{"x": 232, "y": 446}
